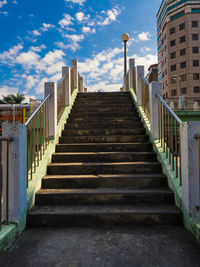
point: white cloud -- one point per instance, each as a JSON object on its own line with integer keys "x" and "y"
{"x": 15, "y": 2}
{"x": 80, "y": 2}
{"x": 111, "y": 16}
{"x": 8, "y": 57}
{"x": 2, "y": 3}
{"x": 36, "y": 33}
{"x": 144, "y": 36}
{"x": 5, "y": 13}
{"x": 66, "y": 21}
{"x": 75, "y": 37}
{"x": 45, "y": 27}
{"x": 74, "y": 40}
{"x": 6, "y": 90}
{"x": 28, "y": 59}
{"x": 145, "y": 49}
{"x": 38, "y": 48}
{"x": 88, "y": 30}
{"x": 81, "y": 17}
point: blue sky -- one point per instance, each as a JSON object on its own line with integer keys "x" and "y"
{"x": 38, "y": 37}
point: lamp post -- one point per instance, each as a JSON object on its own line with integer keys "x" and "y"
{"x": 181, "y": 98}
{"x": 125, "y": 38}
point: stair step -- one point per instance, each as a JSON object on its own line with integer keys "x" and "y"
{"x": 100, "y": 115}
{"x": 108, "y": 109}
{"x": 104, "y": 181}
{"x": 103, "y": 125}
{"x": 104, "y": 147}
{"x": 103, "y": 139}
{"x": 70, "y": 216}
{"x": 107, "y": 119}
{"x": 103, "y": 167}
{"x": 103, "y": 157}
{"x": 104, "y": 196}
{"x": 97, "y": 132}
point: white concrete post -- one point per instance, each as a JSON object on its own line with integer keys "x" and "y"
{"x": 51, "y": 88}
{"x": 85, "y": 90}
{"x": 67, "y": 71}
{"x": 154, "y": 88}
{"x": 131, "y": 66}
{"x": 75, "y": 66}
{"x": 190, "y": 167}
{"x": 139, "y": 74}
{"x": 17, "y": 170}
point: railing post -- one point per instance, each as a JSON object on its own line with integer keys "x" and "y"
{"x": 67, "y": 71}
{"x": 51, "y": 88}
{"x": 16, "y": 199}
{"x": 131, "y": 66}
{"x": 190, "y": 158}
{"x": 154, "y": 88}
{"x": 139, "y": 74}
{"x": 75, "y": 67}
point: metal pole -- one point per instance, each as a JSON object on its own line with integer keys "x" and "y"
{"x": 125, "y": 56}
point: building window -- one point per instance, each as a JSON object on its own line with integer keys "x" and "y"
{"x": 183, "y": 91}
{"x": 173, "y": 92}
{"x": 183, "y": 77}
{"x": 173, "y": 55}
{"x": 196, "y": 89}
{"x": 182, "y": 39}
{"x": 181, "y": 26}
{"x": 195, "y": 50}
{"x": 166, "y": 95}
{"x": 182, "y": 52}
{"x": 173, "y": 67}
{"x": 194, "y": 24}
{"x": 195, "y": 63}
{"x": 195, "y": 37}
{"x": 172, "y": 30}
{"x": 183, "y": 65}
{"x": 173, "y": 81}
{"x": 173, "y": 43}
{"x": 195, "y": 76}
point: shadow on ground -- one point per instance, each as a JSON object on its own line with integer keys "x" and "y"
{"x": 91, "y": 247}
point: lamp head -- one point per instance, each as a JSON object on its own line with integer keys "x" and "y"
{"x": 125, "y": 37}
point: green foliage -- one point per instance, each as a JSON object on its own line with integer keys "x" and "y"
{"x": 14, "y": 98}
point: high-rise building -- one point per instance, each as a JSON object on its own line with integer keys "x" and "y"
{"x": 152, "y": 74}
{"x": 178, "y": 41}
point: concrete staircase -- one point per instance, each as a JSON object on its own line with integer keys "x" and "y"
{"x": 104, "y": 171}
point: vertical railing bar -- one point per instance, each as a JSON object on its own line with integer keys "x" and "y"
{"x": 27, "y": 157}
{"x": 40, "y": 132}
{"x": 7, "y": 182}
{"x": 180, "y": 156}
{"x": 34, "y": 145}
{"x": 37, "y": 122}
{"x": 48, "y": 122}
{"x": 1, "y": 185}
{"x": 169, "y": 134}
{"x": 159, "y": 127}
{"x": 162, "y": 142}
{"x": 31, "y": 148}
{"x": 172, "y": 122}
{"x": 176, "y": 148}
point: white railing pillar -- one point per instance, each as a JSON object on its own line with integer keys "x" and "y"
{"x": 17, "y": 171}
{"x": 131, "y": 66}
{"x": 66, "y": 71}
{"x": 190, "y": 167}
{"x": 75, "y": 67}
{"x": 51, "y": 88}
{"x": 139, "y": 74}
{"x": 154, "y": 88}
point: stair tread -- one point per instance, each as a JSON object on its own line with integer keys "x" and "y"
{"x": 105, "y": 163}
{"x": 104, "y": 153}
{"x": 92, "y": 191}
{"x": 99, "y": 176}
{"x": 102, "y": 209}
{"x": 96, "y": 144}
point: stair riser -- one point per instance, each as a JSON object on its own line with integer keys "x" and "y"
{"x": 104, "y": 199}
{"x": 71, "y": 183}
{"x": 103, "y": 120}
{"x": 103, "y": 125}
{"x": 100, "y": 115}
{"x": 103, "y": 158}
{"x": 99, "y": 132}
{"x": 103, "y": 169}
{"x": 104, "y": 148}
{"x": 117, "y": 101}
{"x": 103, "y": 139}
{"x": 88, "y": 220}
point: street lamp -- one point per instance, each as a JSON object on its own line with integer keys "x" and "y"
{"x": 125, "y": 38}
{"x": 181, "y": 98}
